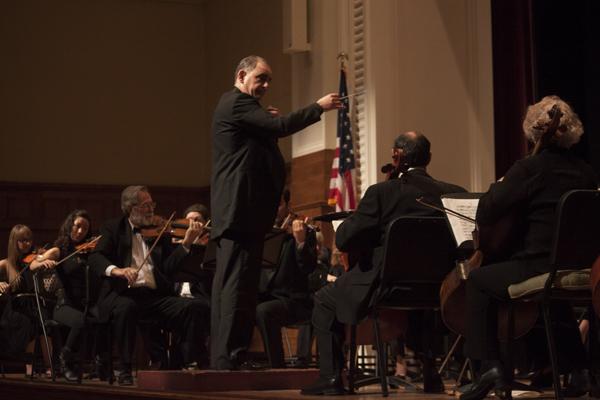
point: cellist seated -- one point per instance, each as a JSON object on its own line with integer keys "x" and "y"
{"x": 531, "y": 188}
{"x": 346, "y": 301}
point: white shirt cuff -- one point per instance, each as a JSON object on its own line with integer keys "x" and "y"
{"x": 109, "y": 269}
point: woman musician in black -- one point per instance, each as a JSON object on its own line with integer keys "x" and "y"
{"x": 531, "y": 188}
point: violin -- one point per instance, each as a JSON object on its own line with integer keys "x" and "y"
{"x": 175, "y": 228}
{"x": 29, "y": 258}
{"x": 307, "y": 221}
{"x": 87, "y": 246}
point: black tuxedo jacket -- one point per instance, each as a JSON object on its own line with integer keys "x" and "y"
{"x": 248, "y": 170}
{"x": 531, "y": 189}
{"x": 364, "y": 231}
{"x": 114, "y": 248}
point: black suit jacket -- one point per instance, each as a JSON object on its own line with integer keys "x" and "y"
{"x": 364, "y": 232}
{"x": 248, "y": 171}
{"x": 114, "y": 248}
{"x": 290, "y": 279}
{"x": 531, "y": 189}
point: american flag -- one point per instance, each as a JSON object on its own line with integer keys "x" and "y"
{"x": 341, "y": 184}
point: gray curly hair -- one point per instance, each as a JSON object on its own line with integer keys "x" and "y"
{"x": 537, "y": 120}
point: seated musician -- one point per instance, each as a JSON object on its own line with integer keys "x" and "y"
{"x": 531, "y": 187}
{"x": 326, "y": 271}
{"x": 284, "y": 298}
{"x": 201, "y": 289}
{"x": 75, "y": 230}
{"x": 136, "y": 284}
{"x": 346, "y": 301}
{"x": 20, "y": 322}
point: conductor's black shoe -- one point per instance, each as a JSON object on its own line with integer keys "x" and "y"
{"x": 493, "y": 378}
{"x": 324, "y": 386}
{"x": 125, "y": 378}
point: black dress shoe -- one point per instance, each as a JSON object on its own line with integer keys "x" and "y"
{"x": 251, "y": 366}
{"x": 100, "y": 371}
{"x": 66, "y": 360}
{"x": 125, "y": 378}
{"x": 579, "y": 384}
{"x": 493, "y": 378}
{"x": 324, "y": 386}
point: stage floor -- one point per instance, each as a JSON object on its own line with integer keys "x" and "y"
{"x": 17, "y": 387}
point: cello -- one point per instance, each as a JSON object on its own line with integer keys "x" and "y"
{"x": 492, "y": 244}
{"x": 595, "y": 285}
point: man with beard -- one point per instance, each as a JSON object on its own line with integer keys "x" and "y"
{"x": 138, "y": 287}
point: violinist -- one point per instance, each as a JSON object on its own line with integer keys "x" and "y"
{"x": 346, "y": 301}
{"x": 284, "y": 298}
{"x": 531, "y": 189}
{"x": 136, "y": 282}
{"x": 20, "y": 319}
{"x": 74, "y": 231}
{"x": 197, "y": 212}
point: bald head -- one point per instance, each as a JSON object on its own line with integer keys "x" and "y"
{"x": 415, "y": 148}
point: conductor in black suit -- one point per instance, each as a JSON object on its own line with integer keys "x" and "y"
{"x": 346, "y": 301}
{"x": 531, "y": 189}
{"x": 135, "y": 288}
{"x": 248, "y": 175}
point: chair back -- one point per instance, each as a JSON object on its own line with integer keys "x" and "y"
{"x": 418, "y": 254}
{"x": 577, "y": 232}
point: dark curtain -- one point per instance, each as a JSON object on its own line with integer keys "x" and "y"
{"x": 512, "y": 52}
{"x": 544, "y": 47}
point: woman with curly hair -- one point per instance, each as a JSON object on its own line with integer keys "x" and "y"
{"x": 69, "y": 310}
{"x": 531, "y": 188}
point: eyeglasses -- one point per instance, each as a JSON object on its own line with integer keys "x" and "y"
{"x": 24, "y": 240}
{"x": 151, "y": 205}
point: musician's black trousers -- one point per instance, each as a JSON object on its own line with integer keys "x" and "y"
{"x": 183, "y": 316}
{"x": 73, "y": 318}
{"x": 233, "y": 302}
{"x": 486, "y": 288}
{"x": 329, "y": 332}
{"x": 271, "y": 316}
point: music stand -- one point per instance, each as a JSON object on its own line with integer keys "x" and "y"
{"x": 272, "y": 249}
{"x": 209, "y": 262}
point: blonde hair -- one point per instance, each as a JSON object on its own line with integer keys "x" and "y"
{"x": 18, "y": 232}
{"x": 537, "y": 121}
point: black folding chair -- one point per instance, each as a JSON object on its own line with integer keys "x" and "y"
{"x": 576, "y": 247}
{"x": 418, "y": 253}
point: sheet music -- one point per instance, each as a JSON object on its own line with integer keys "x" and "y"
{"x": 462, "y": 229}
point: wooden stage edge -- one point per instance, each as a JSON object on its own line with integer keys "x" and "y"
{"x": 218, "y": 381}
{"x": 17, "y": 387}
